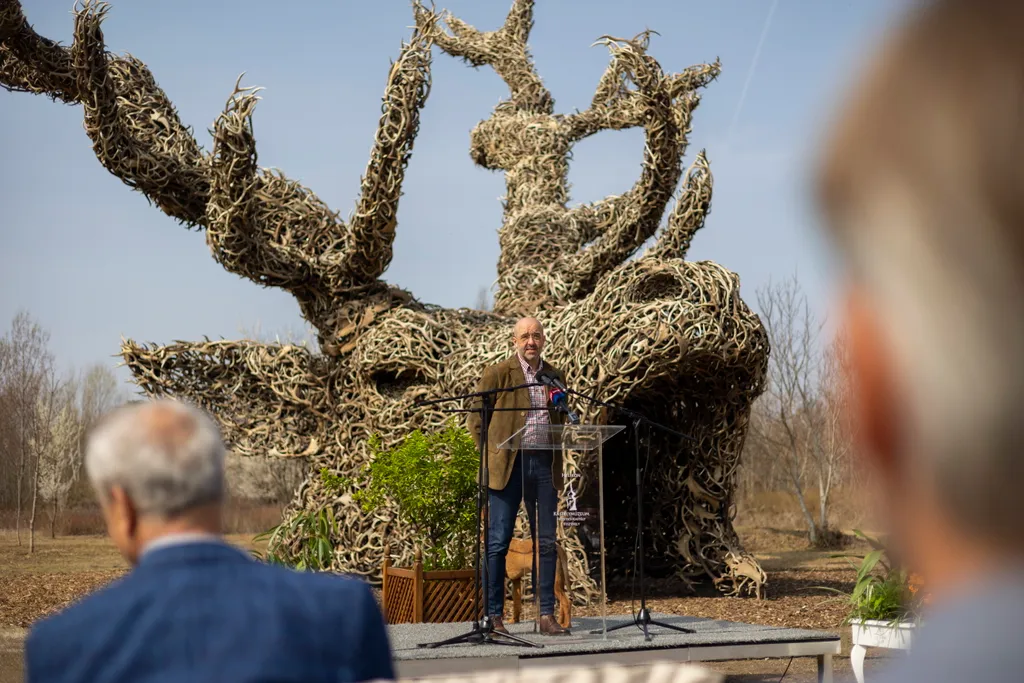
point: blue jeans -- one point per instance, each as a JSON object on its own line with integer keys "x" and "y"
{"x": 532, "y": 484}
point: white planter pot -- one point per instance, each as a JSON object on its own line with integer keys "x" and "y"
{"x": 873, "y": 633}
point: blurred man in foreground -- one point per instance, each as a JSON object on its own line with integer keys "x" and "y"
{"x": 923, "y": 184}
{"x": 194, "y": 608}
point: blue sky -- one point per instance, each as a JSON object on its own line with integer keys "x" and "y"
{"x": 93, "y": 262}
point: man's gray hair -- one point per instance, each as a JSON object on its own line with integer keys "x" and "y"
{"x": 166, "y": 455}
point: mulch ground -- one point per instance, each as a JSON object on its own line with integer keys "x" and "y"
{"x": 794, "y": 596}
{"x": 792, "y": 599}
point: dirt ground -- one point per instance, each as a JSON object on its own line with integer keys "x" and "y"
{"x": 63, "y": 569}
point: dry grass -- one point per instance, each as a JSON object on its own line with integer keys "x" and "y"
{"x": 240, "y": 517}
{"x": 848, "y": 510}
{"x": 59, "y": 572}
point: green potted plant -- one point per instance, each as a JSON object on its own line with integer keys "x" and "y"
{"x": 429, "y": 479}
{"x": 885, "y": 605}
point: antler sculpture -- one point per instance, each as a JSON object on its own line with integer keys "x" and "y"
{"x": 658, "y": 334}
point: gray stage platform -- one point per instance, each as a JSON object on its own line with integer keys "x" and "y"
{"x": 713, "y": 640}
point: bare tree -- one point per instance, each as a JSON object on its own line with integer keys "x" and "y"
{"x": 60, "y": 457}
{"x": 41, "y": 439}
{"x": 99, "y": 393}
{"x": 263, "y": 478}
{"x": 483, "y": 300}
{"x": 799, "y": 416}
{"x": 837, "y": 432}
{"x": 26, "y": 365}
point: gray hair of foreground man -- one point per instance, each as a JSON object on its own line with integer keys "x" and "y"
{"x": 167, "y": 457}
{"x": 923, "y": 184}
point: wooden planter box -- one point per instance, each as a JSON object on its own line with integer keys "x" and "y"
{"x": 412, "y": 595}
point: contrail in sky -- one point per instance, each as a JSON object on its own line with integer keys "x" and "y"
{"x": 750, "y": 74}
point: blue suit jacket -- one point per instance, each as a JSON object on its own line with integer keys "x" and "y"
{"x": 209, "y": 612}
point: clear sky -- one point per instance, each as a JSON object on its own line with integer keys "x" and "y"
{"x": 92, "y": 261}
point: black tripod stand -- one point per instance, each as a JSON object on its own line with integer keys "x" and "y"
{"x": 642, "y": 619}
{"x": 482, "y": 632}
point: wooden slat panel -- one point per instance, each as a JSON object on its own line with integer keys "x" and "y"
{"x": 404, "y": 573}
{"x": 440, "y": 596}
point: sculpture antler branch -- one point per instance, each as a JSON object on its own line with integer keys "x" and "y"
{"x": 135, "y": 129}
{"x": 275, "y": 231}
{"x": 504, "y": 50}
{"x": 663, "y": 105}
{"x": 689, "y": 213}
{"x": 270, "y": 399}
{"x": 372, "y": 228}
{"x": 31, "y": 63}
{"x": 259, "y": 224}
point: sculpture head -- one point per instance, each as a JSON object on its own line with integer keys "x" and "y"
{"x": 512, "y": 137}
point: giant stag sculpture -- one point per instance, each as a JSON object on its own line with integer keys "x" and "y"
{"x": 658, "y": 334}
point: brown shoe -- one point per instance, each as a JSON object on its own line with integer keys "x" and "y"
{"x": 550, "y": 627}
{"x": 497, "y": 625}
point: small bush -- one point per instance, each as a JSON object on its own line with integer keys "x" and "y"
{"x": 883, "y": 591}
{"x": 314, "y": 553}
{"x": 431, "y": 481}
{"x": 428, "y": 479}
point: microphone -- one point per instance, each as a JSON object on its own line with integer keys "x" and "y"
{"x": 545, "y": 377}
{"x": 557, "y": 397}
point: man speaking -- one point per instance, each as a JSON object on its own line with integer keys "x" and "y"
{"x": 528, "y": 473}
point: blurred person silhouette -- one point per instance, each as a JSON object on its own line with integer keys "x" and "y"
{"x": 922, "y": 185}
{"x": 193, "y": 607}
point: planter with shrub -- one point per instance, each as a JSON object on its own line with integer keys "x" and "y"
{"x": 885, "y": 605}
{"x": 430, "y": 481}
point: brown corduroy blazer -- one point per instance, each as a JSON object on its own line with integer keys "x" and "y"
{"x": 504, "y": 423}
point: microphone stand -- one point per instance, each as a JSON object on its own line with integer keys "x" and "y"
{"x": 482, "y": 633}
{"x": 643, "y": 619}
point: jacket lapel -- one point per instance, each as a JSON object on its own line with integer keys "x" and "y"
{"x": 516, "y": 377}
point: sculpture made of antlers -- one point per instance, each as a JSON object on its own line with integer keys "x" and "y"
{"x": 659, "y": 334}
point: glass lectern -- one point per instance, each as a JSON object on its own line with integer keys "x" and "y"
{"x": 580, "y": 499}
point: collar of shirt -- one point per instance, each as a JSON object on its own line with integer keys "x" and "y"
{"x": 180, "y": 539}
{"x": 527, "y": 370}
